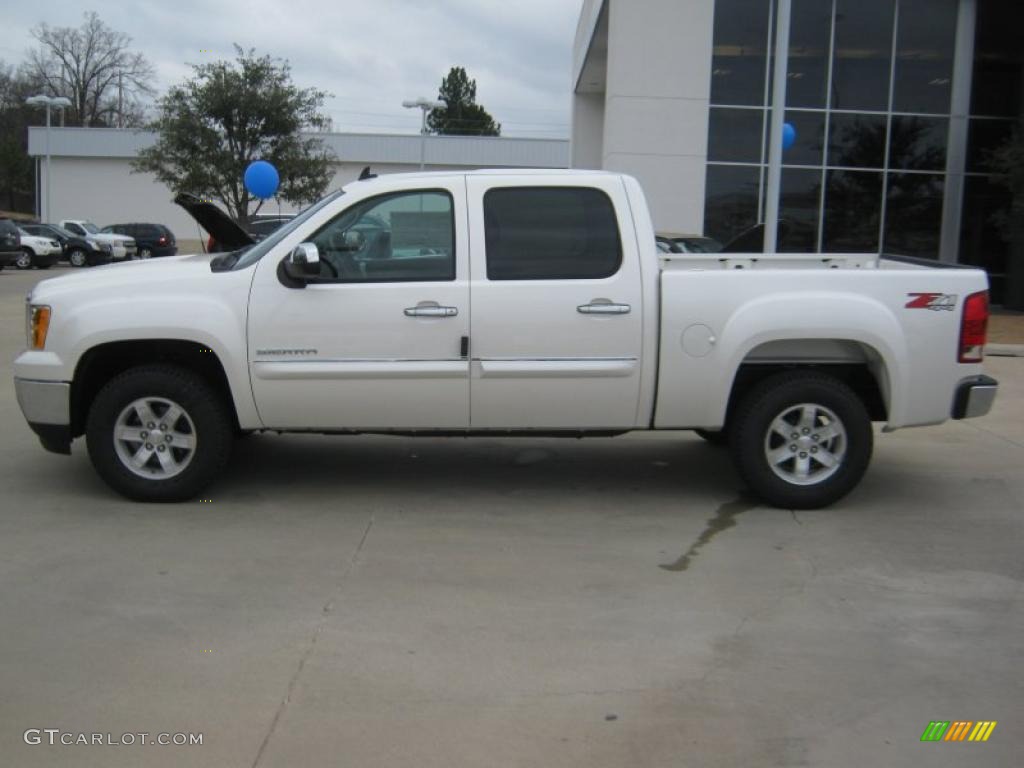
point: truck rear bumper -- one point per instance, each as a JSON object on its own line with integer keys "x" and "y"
{"x": 974, "y": 397}
{"x": 47, "y": 409}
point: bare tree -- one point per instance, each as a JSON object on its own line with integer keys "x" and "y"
{"x": 93, "y": 66}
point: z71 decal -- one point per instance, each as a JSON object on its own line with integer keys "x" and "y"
{"x": 934, "y": 301}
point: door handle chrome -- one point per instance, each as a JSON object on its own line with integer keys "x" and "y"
{"x": 603, "y": 309}
{"x": 431, "y": 311}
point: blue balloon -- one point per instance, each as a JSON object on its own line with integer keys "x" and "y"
{"x": 788, "y": 135}
{"x": 261, "y": 179}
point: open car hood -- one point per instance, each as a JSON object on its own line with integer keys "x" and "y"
{"x": 225, "y": 230}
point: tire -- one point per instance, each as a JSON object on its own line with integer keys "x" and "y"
{"x": 200, "y": 438}
{"x": 24, "y": 260}
{"x": 77, "y": 258}
{"x": 145, "y": 253}
{"x": 718, "y": 437}
{"x": 801, "y": 478}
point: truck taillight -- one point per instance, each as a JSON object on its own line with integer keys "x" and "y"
{"x": 973, "y": 328}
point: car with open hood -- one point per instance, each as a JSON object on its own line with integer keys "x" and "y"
{"x": 225, "y": 233}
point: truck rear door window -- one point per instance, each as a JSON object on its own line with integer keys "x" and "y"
{"x": 550, "y": 233}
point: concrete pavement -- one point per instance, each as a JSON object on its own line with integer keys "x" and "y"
{"x": 376, "y": 601}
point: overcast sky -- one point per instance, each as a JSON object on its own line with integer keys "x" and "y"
{"x": 371, "y": 55}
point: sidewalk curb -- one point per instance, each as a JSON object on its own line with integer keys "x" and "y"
{"x": 1005, "y": 350}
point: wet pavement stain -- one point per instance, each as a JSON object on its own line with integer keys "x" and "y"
{"x": 724, "y": 518}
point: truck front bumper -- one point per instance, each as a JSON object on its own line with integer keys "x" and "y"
{"x": 974, "y": 397}
{"x": 47, "y": 409}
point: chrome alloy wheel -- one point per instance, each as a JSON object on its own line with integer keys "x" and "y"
{"x": 155, "y": 438}
{"x": 805, "y": 444}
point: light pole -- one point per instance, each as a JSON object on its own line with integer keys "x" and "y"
{"x": 426, "y": 105}
{"x": 41, "y": 100}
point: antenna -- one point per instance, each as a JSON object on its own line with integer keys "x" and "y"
{"x": 366, "y": 174}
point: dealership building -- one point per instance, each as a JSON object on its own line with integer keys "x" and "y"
{"x": 895, "y": 105}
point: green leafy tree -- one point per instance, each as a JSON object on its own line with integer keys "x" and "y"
{"x": 463, "y": 116}
{"x": 17, "y": 183}
{"x": 230, "y": 113}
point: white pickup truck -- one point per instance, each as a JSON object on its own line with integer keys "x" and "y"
{"x": 498, "y": 303}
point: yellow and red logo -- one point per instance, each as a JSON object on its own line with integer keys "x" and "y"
{"x": 959, "y": 730}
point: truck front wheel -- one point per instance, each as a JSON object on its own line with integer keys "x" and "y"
{"x": 159, "y": 433}
{"x": 801, "y": 439}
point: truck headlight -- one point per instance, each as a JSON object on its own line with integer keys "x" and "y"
{"x": 37, "y": 325}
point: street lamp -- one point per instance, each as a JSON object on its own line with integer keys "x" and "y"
{"x": 426, "y": 105}
{"x": 49, "y": 102}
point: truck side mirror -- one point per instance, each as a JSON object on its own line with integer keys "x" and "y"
{"x": 303, "y": 262}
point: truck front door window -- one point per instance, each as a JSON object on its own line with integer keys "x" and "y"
{"x": 403, "y": 237}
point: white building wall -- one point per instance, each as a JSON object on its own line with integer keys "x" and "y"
{"x": 655, "y": 117}
{"x": 588, "y": 130}
{"x": 105, "y": 191}
{"x": 91, "y": 178}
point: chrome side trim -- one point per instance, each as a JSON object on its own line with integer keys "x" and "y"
{"x": 44, "y": 402}
{"x": 557, "y": 369}
{"x": 361, "y": 369}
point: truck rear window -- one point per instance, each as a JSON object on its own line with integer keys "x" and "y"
{"x": 550, "y": 233}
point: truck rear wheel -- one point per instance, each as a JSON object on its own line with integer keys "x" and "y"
{"x": 159, "y": 433}
{"x": 801, "y": 440}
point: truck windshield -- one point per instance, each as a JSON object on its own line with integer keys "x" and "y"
{"x": 258, "y": 251}
{"x": 91, "y": 228}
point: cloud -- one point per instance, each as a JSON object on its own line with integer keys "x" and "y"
{"x": 370, "y": 56}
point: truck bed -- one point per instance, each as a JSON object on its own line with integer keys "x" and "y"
{"x": 898, "y": 317}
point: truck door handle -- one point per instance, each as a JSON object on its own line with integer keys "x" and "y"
{"x": 431, "y": 310}
{"x": 601, "y": 308}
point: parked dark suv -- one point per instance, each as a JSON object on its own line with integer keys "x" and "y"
{"x": 10, "y": 243}
{"x": 151, "y": 239}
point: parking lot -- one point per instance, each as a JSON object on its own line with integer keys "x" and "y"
{"x": 373, "y": 601}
